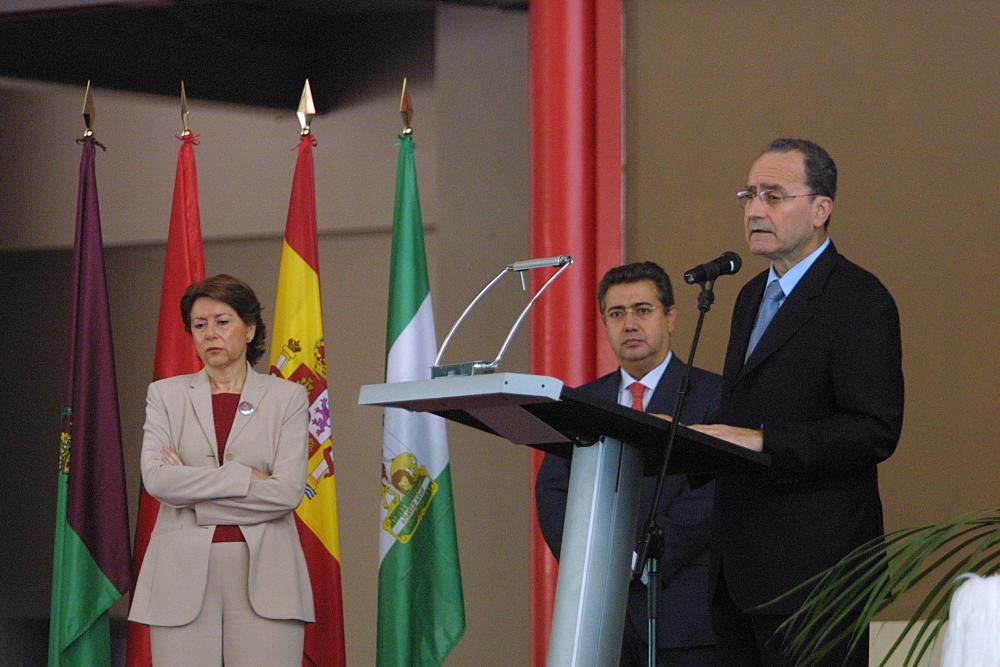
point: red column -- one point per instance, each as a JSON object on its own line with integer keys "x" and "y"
{"x": 576, "y": 209}
{"x": 609, "y": 165}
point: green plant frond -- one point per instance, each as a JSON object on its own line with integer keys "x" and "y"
{"x": 874, "y": 576}
{"x": 810, "y": 633}
{"x": 814, "y": 651}
{"x": 932, "y": 627}
{"x": 910, "y": 564}
{"x": 848, "y": 621}
{"x": 837, "y": 598}
{"x": 818, "y": 641}
{"x": 922, "y": 645}
{"x": 855, "y": 591}
{"x": 858, "y": 563}
{"x": 961, "y": 566}
{"x": 940, "y": 598}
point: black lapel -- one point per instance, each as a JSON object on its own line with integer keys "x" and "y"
{"x": 795, "y": 311}
{"x": 606, "y": 386}
{"x": 664, "y": 397}
{"x": 744, "y": 316}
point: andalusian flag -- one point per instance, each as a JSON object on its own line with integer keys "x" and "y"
{"x": 90, "y": 565}
{"x": 421, "y": 614}
{"x": 175, "y": 352}
{"x": 298, "y": 353}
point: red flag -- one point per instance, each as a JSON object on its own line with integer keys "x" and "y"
{"x": 175, "y": 352}
{"x": 298, "y": 353}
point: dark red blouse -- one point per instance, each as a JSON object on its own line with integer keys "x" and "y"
{"x": 224, "y": 413}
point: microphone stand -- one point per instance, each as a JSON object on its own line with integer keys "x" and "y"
{"x": 650, "y": 546}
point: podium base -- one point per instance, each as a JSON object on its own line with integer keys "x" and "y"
{"x": 594, "y": 571}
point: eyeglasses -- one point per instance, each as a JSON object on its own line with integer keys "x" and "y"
{"x": 643, "y": 311}
{"x": 767, "y": 197}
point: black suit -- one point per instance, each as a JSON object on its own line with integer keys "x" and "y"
{"x": 825, "y": 384}
{"x": 685, "y": 516}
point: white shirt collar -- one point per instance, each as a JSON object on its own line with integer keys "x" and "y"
{"x": 650, "y": 380}
{"x": 794, "y": 275}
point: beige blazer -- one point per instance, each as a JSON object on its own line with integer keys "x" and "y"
{"x": 201, "y": 494}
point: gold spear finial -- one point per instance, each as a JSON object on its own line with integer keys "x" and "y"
{"x": 406, "y": 109}
{"x": 306, "y": 109}
{"x": 89, "y": 114}
{"x": 185, "y": 131}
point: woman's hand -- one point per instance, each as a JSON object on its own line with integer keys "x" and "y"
{"x": 259, "y": 475}
{"x": 170, "y": 457}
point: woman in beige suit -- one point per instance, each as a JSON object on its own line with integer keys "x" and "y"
{"x": 224, "y": 579}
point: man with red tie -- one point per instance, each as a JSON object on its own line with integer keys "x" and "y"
{"x": 637, "y": 307}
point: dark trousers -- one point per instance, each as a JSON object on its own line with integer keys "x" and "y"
{"x": 635, "y": 653}
{"x": 750, "y": 640}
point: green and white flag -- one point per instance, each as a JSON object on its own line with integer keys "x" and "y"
{"x": 421, "y": 614}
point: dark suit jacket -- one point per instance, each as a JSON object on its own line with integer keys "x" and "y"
{"x": 826, "y": 385}
{"x": 685, "y": 516}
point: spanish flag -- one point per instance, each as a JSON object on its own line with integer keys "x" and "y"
{"x": 298, "y": 354}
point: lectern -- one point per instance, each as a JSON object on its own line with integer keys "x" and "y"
{"x": 612, "y": 447}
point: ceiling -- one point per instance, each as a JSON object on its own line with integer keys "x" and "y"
{"x": 254, "y": 52}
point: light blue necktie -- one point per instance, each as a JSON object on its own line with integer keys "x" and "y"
{"x": 773, "y": 296}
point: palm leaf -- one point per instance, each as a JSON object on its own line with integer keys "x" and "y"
{"x": 843, "y": 600}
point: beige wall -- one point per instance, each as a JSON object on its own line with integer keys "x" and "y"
{"x": 245, "y": 159}
{"x": 904, "y": 96}
{"x": 471, "y": 133}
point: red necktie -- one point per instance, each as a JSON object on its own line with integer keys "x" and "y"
{"x": 638, "y": 390}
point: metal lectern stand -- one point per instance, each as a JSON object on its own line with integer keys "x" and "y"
{"x": 612, "y": 447}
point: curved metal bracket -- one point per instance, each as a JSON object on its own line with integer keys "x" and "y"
{"x": 481, "y": 367}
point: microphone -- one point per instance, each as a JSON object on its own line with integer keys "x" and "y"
{"x": 725, "y": 264}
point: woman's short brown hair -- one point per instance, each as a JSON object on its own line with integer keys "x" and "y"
{"x": 238, "y": 296}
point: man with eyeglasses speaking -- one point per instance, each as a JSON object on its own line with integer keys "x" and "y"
{"x": 812, "y": 377}
{"x": 637, "y": 307}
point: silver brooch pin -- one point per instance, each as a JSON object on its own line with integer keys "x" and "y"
{"x": 246, "y": 408}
